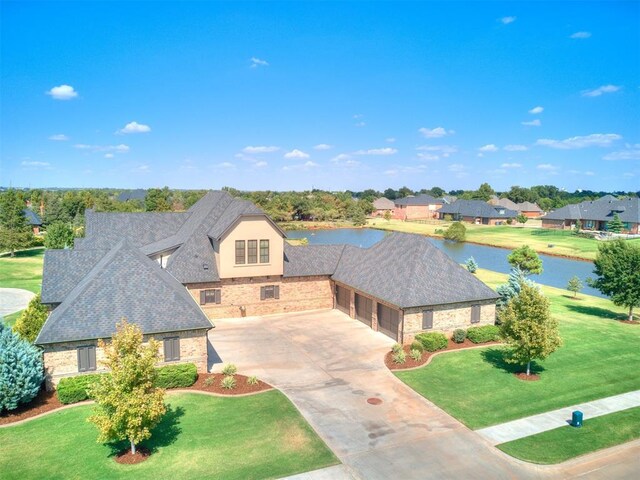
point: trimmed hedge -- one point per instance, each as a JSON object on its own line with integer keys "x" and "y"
{"x": 484, "y": 334}
{"x": 177, "y": 376}
{"x": 432, "y": 341}
{"x": 459, "y": 334}
{"x": 74, "y": 389}
{"x": 416, "y": 345}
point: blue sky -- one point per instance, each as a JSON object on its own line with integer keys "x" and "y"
{"x": 346, "y": 95}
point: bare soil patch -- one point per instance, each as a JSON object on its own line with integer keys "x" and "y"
{"x": 211, "y": 382}
{"x": 42, "y": 403}
{"x": 533, "y": 377}
{"x": 630, "y": 322}
{"x": 127, "y": 458}
{"x": 411, "y": 363}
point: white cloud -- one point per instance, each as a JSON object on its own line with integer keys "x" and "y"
{"x": 536, "y": 110}
{"x": 580, "y": 35}
{"x": 257, "y": 62}
{"x": 437, "y": 132}
{"x": 59, "y": 137}
{"x": 33, "y": 163}
{"x": 456, "y": 167}
{"x": 444, "y": 150}
{"x": 390, "y": 172}
{"x": 428, "y": 157}
{"x": 295, "y": 153}
{"x": 532, "y": 123}
{"x": 515, "y": 148}
{"x": 631, "y": 152}
{"x": 62, "y": 92}
{"x": 142, "y": 169}
{"x": 225, "y": 165}
{"x": 596, "y": 92}
{"x": 304, "y": 166}
{"x": 547, "y": 167}
{"x": 508, "y": 20}
{"x": 260, "y": 149}
{"x": 593, "y": 140}
{"x": 377, "y": 151}
{"x": 358, "y": 115}
{"x": 511, "y": 165}
{"x": 134, "y": 127}
{"x": 323, "y": 146}
{"x": 345, "y": 160}
{"x": 390, "y": 140}
{"x": 103, "y": 148}
{"x": 108, "y": 155}
{"x": 489, "y": 148}
{"x": 359, "y": 124}
{"x": 260, "y": 164}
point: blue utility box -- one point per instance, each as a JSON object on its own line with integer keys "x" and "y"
{"x": 576, "y": 418}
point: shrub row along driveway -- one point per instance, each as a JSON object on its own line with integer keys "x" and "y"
{"x": 329, "y": 365}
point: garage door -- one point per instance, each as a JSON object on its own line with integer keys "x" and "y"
{"x": 364, "y": 309}
{"x": 388, "y": 321}
{"x": 343, "y": 299}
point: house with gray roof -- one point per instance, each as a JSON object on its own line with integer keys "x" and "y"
{"x": 420, "y": 207}
{"x": 596, "y": 214}
{"x": 381, "y": 206}
{"x": 174, "y": 274}
{"x": 476, "y": 211}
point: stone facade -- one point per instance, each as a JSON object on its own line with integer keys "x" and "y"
{"x": 61, "y": 359}
{"x": 241, "y": 296}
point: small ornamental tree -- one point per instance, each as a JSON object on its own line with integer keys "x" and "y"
{"x": 59, "y": 235}
{"x": 617, "y": 267}
{"x": 30, "y": 321}
{"x": 526, "y": 259}
{"x": 512, "y": 288}
{"x": 387, "y": 215}
{"x": 471, "y": 265}
{"x": 616, "y": 224}
{"x": 456, "y": 232}
{"x": 521, "y": 218}
{"x": 528, "y": 328}
{"x": 21, "y": 370}
{"x": 578, "y": 226}
{"x": 128, "y": 405}
{"x": 574, "y": 285}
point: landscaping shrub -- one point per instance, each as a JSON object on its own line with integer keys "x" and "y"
{"x": 399, "y": 357}
{"x": 396, "y": 348}
{"x": 31, "y": 320}
{"x": 209, "y": 381}
{"x": 252, "y": 380}
{"x": 459, "y": 334}
{"x": 176, "y": 376}
{"x": 416, "y": 355}
{"x": 229, "y": 382}
{"x": 486, "y": 333}
{"x": 75, "y": 389}
{"x": 432, "y": 341}
{"x": 229, "y": 369}
{"x": 416, "y": 345}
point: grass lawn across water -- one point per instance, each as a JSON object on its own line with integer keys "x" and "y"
{"x": 253, "y": 437}
{"x": 597, "y": 360}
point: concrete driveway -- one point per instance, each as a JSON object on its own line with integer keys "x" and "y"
{"x": 13, "y": 300}
{"x": 329, "y": 365}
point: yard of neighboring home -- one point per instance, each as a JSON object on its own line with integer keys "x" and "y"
{"x": 259, "y": 436}
{"x": 596, "y": 360}
{"x": 22, "y": 271}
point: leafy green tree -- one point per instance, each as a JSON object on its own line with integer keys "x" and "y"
{"x": 404, "y": 192}
{"x": 574, "y": 285}
{"x": 54, "y": 210}
{"x": 158, "y": 200}
{"x": 483, "y": 193}
{"x": 30, "y": 321}
{"x": 472, "y": 265}
{"x": 387, "y": 215}
{"x": 528, "y": 328}
{"x": 616, "y": 224}
{"x": 128, "y": 405}
{"x": 21, "y": 370}
{"x": 521, "y": 218}
{"x": 437, "y": 192}
{"x": 578, "y": 226}
{"x": 15, "y": 232}
{"x": 456, "y": 232}
{"x": 59, "y": 235}
{"x": 526, "y": 259}
{"x": 617, "y": 266}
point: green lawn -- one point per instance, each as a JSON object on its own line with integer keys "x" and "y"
{"x": 596, "y": 361}
{"x": 259, "y": 436}
{"x": 564, "y": 243}
{"x": 22, "y": 271}
{"x": 563, "y": 443}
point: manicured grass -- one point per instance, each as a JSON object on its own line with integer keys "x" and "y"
{"x": 22, "y": 271}
{"x": 11, "y": 319}
{"x": 479, "y": 389}
{"x": 564, "y": 243}
{"x": 563, "y": 443}
{"x": 260, "y": 436}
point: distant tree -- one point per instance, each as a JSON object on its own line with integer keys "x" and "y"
{"x": 387, "y": 215}
{"x": 437, "y": 192}
{"x": 512, "y": 288}
{"x": 405, "y": 192}
{"x": 59, "y": 235}
{"x": 578, "y": 226}
{"x": 356, "y": 214}
{"x": 483, "y": 193}
{"x": 158, "y": 200}
{"x": 574, "y": 285}
{"x": 545, "y": 204}
{"x": 15, "y": 232}
{"x": 471, "y": 265}
{"x": 616, "y": 224}
{"x": 390, "y": 193}
{"x": 456, "y": 232}
{"x": 31, "y": 320}
{"x": 521, "y": 218}
{"x": 21, "y": 370}
{"x": 617, "y": 267}
{"x": 526, "y": 259}
{"x": 128, "y": 405}
{"x": 54, "y": 210}
{"x": 519, "y": 194}
{"x": 528, "y": 328}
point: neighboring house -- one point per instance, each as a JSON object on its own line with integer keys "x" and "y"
{"x": 33, "y": 219}
{"x": 478, "y": 212}
{"x": 503, "y": 202}
{"x": 447, "y": 199}
{"x": 529, "y": 210}
{"x": 594, "y": 215}
{"x": 381, "y": 206}
{"x": 138, "y": 194}
{"x": 421, "y": 207}
{"x": 171, "y": 273}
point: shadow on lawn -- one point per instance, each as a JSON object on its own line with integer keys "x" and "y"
{"x": 165, "y": 433}
{"x": 34, "y": 252}
{"x": 495, "y": 356}
{"x": 597, "y": 312}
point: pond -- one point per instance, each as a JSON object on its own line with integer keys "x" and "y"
{"x": 557, "y": 270}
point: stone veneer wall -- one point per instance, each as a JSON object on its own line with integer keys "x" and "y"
{"x": 61, "y": 359}
{"x": 296, "y": 294}
{"x": 447, "y": 318}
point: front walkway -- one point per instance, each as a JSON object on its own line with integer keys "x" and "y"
{"x": 329, "y": 365}
{"x": 13, "y": 300}
{"x": 525, "y": 427}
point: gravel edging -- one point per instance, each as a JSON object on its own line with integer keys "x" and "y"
{"x": 435, "y": 354}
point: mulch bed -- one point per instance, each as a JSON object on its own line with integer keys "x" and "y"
{"x": 631, "y": 322}
{"x": 127, "y": 458}
{"x": 533, "y": 377}
{"x": 44, "y": 402}
{"x": 241, "y": 388}
{"x": 411, "y": 363}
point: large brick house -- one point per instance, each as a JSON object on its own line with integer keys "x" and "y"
{"x": 173, "y": 273}
{"x": 476, "y": 211}
{"x": 421, "y": 207}
{"x": 596, "y": 214}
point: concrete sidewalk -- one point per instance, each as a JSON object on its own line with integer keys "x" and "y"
{"x": 13, "y": 300}
{"x": 525, "y": 427}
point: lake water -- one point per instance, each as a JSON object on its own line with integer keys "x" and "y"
{"x": 557, "y": 270}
